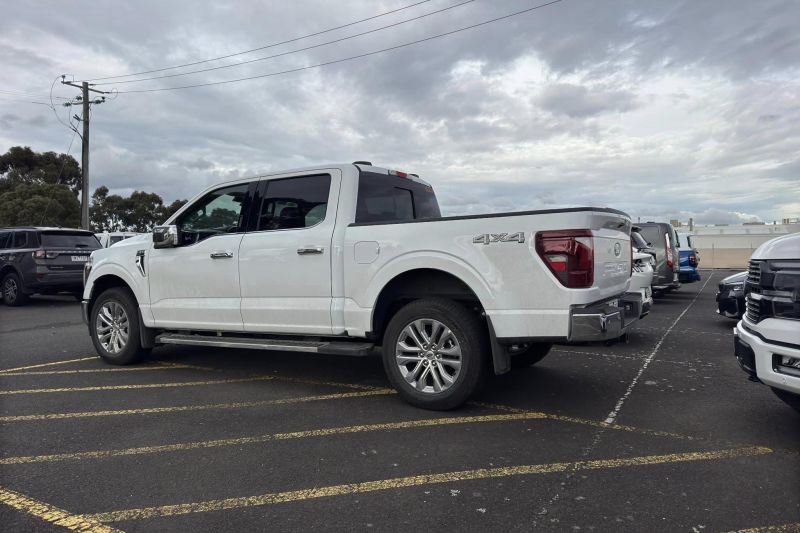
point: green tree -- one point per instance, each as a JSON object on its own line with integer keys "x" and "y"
{"x": 141, "y": 211}
{"x": 21, "y": 165}
{"x": 39, "y": 205}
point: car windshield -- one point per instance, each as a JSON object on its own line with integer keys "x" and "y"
{"x": 64, "y": 239}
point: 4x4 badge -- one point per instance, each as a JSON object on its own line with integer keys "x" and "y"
{"x": 488, "y": 238}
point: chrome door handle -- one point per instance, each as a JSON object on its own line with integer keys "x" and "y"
{"x": 309, "y": 250}
{"x": 221, "y": 255}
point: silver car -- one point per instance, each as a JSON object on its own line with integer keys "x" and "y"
{"x": 661, "y": 237}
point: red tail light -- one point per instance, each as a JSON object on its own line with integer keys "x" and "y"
{"x": 42, "y": 254}
{"x": 569, "y": 254}
{"x": 668, "y": 247}
{"x": 693, "y": 260}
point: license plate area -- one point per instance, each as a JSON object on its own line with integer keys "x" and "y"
{"x": 79, "y": 258}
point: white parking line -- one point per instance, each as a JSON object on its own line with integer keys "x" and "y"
{"x": 612, "y": 416}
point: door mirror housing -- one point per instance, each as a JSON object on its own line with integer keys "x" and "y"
{"x": 165, "y": 236}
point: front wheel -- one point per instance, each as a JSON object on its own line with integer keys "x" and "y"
{"x": 791, "y": 399}
{"x": 434, "y": 353}
{"x": 115, "y": 327}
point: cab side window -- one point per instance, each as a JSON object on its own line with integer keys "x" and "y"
{"x": 20, "y": 239}
{"x": 4, "y": 238}
{"x": 294, "y": 203}
{"x": 218, "y": 212}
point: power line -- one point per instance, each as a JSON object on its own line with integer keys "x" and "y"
{"x": 272, "y": 45}
{"x": 29, "y": 94}
{"x": 350, "y": 58}
{"x": 291, "y": 51}
{"x": 22, "y": 101}
{"x": 58, "y": 178}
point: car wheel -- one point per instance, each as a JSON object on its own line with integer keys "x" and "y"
{"x": 13, "y": 290}
{"x": 529, "y": 354}
{"x": 435, "y": 353}
{"x": 114, "y": 327}
{"x": 791, "y": 399}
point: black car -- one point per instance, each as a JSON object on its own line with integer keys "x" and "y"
{"x": 730, "y": 296}
{"x": 43, "y": 261}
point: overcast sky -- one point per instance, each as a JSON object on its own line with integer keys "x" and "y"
{"x": 660, "y": 108}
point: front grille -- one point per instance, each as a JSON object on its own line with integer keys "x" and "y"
{"x": 753, "y": 310}
{"x": 754, "y": 272}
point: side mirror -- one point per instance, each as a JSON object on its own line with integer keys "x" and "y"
{"x": 165, "y": 237}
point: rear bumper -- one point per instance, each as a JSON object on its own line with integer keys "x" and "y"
{"x": 54, "y": 281}
{"x": 688, "y": 274}
{"x": 765, "y": 361}
{"x": 605, "y": 320}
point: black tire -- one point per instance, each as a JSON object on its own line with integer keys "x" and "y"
{"x": 470, "y": 334}
{"x": 132, "y": 350}
{"x": 535, "y": 352}
{"x": 13, "y": 290}
{"x": 791, "y": 399}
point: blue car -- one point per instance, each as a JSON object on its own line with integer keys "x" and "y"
{"x": 689, "y": 259}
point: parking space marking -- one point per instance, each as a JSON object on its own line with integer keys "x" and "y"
{"x": 612, "y": 416}
{"x": 324, "y": 432}
{"x": 47, "y": 364}
{"x": 588, "y": 422}
{"x": 630, "y": 357}
{"x": 52, "y": 514}
{"x": 94, "y": 370}
{"x": 202, "y": 407}
{"x": 784, "y": 528}
{"x": 138, "y": 386}
{"x": 419, "y": 480}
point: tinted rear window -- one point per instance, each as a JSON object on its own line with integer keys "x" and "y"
{"x": 638, "y": 240}
{"x": 385, "y": 198}
{"x": 653, "y": 235}
{"x": 69, "y": 240}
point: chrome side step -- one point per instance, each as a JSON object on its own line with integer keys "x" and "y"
{"x": 354, "y": 348}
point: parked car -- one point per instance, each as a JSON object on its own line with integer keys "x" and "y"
{"x": 642, "y": 273}
{"x": 340, "y": 259}
{"x": 43, "y": 260}
{"x": 661, "y": 237}
{"x": 689, "y": 258}
{"x": 767, "y": 338}
{"x": 110, "y": 238}
{"x": 730, "y": 296}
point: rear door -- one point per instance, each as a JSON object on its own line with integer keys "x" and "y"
{"x": 285, "y": 258}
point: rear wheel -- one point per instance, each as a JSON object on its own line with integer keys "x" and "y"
{"x": 528, "y": 354}
{"x": 434, "y": 353}
{"x": 791, "y": 399}
{"x": 13, "y": 290}
{"x": 114, "y": 327}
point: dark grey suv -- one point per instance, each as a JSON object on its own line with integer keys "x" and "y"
{"x": 43, "y": 260}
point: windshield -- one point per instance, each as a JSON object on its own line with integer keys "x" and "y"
{"x": 63, "y": 239}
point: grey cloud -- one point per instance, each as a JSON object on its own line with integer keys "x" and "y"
{"x": 580, "y": 101}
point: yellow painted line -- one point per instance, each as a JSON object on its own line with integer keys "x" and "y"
{"x": 588, "y": 422}
{"x": 415, "y": 481}
{"x": 94, "y": 370}
{"x": 202, "y": 407}
{"x": 47, "y": 364}
{"x": 784, "y": 528}
{"x": 52, "y": 514}
{"x": 137, "y": 386}
{"x": 324, "y": 432}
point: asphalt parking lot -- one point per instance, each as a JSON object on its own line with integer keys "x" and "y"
{"x": 662, "y": 433}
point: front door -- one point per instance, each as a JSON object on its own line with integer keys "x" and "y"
{"x": 285, "y": 261}
{"x": 196, "y": 285}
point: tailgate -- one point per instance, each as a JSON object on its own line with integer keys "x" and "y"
{"x": 612, "y": 253}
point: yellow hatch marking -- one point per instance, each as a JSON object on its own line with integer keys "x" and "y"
{"x": 784, "y": 528}
{"x": 95, "y": 370}
{"x": 47, "y": 364}
{"x": 413, "y": 481}
{"x": 587, "y": 422}
{"x": 52, "y": 514}
{"x": 388, "y": 426}
{"x": 181, "y": 408}
{"x": 137, "y": 386}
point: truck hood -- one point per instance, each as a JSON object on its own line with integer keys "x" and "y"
{"x": 783, "y": 247}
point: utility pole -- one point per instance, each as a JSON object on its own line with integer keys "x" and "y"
{"x": 84, "y": 87}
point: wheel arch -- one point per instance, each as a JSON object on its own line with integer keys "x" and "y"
{"x": 110, "y": 281}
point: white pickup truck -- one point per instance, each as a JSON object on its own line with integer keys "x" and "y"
{"x": 343, "y": 259}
